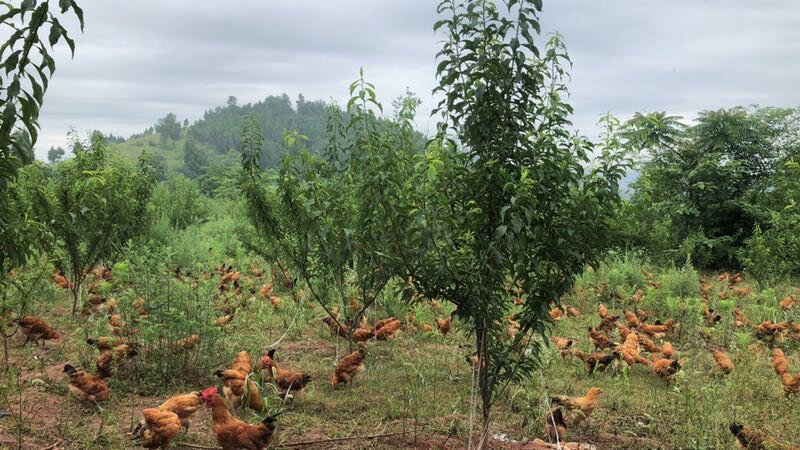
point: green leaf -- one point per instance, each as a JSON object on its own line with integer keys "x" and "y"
{"x": 55, "y": 32}
{"x": 500, "y": 232}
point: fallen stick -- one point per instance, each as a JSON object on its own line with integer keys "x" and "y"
{"x": 351, "y": 438}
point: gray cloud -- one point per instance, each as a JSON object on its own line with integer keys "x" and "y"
{"x": 140, "y": 59}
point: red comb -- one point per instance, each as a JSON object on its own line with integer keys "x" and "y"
{"x": 207, "y": 393}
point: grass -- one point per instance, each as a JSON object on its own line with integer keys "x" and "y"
{"x": 420, "y": 383}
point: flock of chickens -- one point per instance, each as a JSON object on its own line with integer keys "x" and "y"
{"x": 638, "y": 337}
{"x": 160, "y": 425}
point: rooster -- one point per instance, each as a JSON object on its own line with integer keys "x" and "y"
{"x": 444, "y": 325}
{"x": 555, "y": 426}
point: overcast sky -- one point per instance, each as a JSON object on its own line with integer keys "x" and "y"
{"x": 141, "y": 59}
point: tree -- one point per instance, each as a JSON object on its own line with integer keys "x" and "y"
{"x": 28, "y": 66}
{"x": 94, "y": 206}
{"x": 506, "y": 199}
{"x": 195, "y": 159}
{"x": 55, "y": 154}
{"x": 698, "y": 184}
{"x": 169, "y": 128}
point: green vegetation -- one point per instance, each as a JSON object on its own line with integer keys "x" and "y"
{"x": 246, "y": 229}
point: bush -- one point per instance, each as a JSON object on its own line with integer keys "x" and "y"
{"x": 181, "y": 203}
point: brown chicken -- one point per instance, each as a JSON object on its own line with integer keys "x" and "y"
{"x": 637, "y": 296}
{"x": 337, "y": 329}
{"x": 188, "y": 343}
{"x": 36, "y": 330}
{"x": 602, "y": 311}
{"x": 573, "y": 311}
{"x": 735, "y": 279}
{"x": 632, "y": 320}
{"x": 788, "y": 302}
{"x": 185, "y": 406}
{"x": 108, "y": 360}
{"x": 791, "y": 384}
{"x": 348, "y": 367}
{"x": 364, "y": 334}
{"x": 648, "y": 345}
{"x": 233, "y": 387}
{"x": 85, "y": 386}
{"x": 105, "y": 343}
{"x": 555, "y": 427}
{"x": 769, "y": 331}
{"x": 779, "y": 363}
{"x": 623, "y": 330}
{"x": 630, "y": 351}
{"x": 723, "y": 362}
{"x": 60, "y": 280}
{"x": 233, "y": 434}
{"x": 711, "y": 318}
{"x": 266, "y": 290}
{"x": 656, "y": 330}
{"x": 242, "y": 363}
{"x": 562, "y": 344}
{"x": 425, "y": 328}
{"x": 597, "y": 362}
{"x": 743, "y": 291}
{"x": 388, "y": 330}
{"x": 444, "y": 325}
{"x": 223, "y": 321}
{"x": 739, "y": 317}
{"x": 160, "y": 428}
{"x": 751, "y": 439}
{"x": 666, "y": 368}
{"x": 556, "y": 313}
{"x": 600, "y": 339}
{"x": 285, "y": 379}
{"x": 582, "y": 406}
{"x": 667, "y": 350}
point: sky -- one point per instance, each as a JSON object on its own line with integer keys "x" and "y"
{"x": 138, "y": 60}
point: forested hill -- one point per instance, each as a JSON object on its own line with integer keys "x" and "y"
{"x": 214, "y": 139}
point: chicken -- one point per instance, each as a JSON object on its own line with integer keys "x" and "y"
{"x": 734, "y": 279}
{"x": 632, "y": 320}
{"x": 637, "y": 296}
{"x": 600, "y": 339}
{"x": 623, "y": 330}
{"x": 723, "y": 362}
{"x": 223, "y": 321}
{"x": 109, "y": 359}
{"x": 788, "y": 302}
{"x": 365, "y": 334}
{"x": 597, "y": 362}
{"x": 379, "y": 324}
{"x": 779, "y": 363}
{"x": 743, "y": 291}
{"x": 573, "y": 311}
{"x": 36, "y": 330}
{"x": 711, "y": 318}
{"x": 656, "y": 330}
{"x": 648, "y": 344}
{"x": 705, "y": 289}
{"x": 233, "y": 387}
{"x": 160, "y": 428}
{"x": 562, "y": 344}
{"x": 60, "y": 280}
{"x": 425, "y": 328}
{"x": 769, "y": 331}
{"x": 188, "y": 343}
{"x": 444, "y": 325}
{"x": 751, "y": 439}
{"x": 723, "y": 277}
{"x": 85, "y": 386}
{"x": 341, "y": 329}
{"x": 285, "y": 379}
{"x": 630, "y": 350}
{"x": 233, "y": 434}
{"x": 242, "y": 363}
{"x": 791, "y": 384}
{"x": 116, "y": 324}
{"x": 388, "y": 331}
{"x": 602, "y": 311}
{"x": 105, "y": 343}
{"x": 607, "y": 323}
{"x": 230, "y": 277}
{"x": 555, "y": 426}
{"x": 348, "y": 367}
{"x": 556, "y": 313}
{"x": 666, "y": 368}
{"x": 666, "y": 350}
{"x": 740, "y": 318}
{"x": 184, "y": 406}
{"x": 266, "y": 290}
{"x": 583, "y": 406}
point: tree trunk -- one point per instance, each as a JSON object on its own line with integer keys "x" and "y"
{"x": 75, "y": 290}
{"x": 481, "y": 333}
